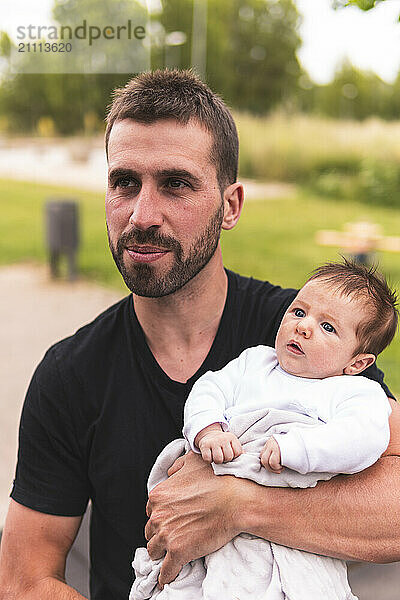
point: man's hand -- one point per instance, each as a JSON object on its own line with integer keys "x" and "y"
{"x": 191, "y": 514}
{"x": 219, "y": 446}
{"x": 271, "y": 456}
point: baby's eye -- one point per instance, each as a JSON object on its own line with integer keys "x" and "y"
{"x": 298, "y": 312}
{"x": 328, "y": 327}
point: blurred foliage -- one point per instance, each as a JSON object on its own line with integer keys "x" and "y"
{"x": 376, "y": 182}
{"x": 27, "y": 98}
{"x": 5, "y": 45}
{"x": 353, "y": 94}
{"x": 346, "y": 159}
{"x": 251, "y": 60}
{"x": 251, "y": 49}
{"x": 363, "y": 4}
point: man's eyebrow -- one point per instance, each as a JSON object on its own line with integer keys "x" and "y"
{"x": 121, "y": 172}
{"x": 180, "y": 173}
{"x": 126, "y": 172}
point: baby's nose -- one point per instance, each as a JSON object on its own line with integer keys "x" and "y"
{"x": 304, "y": 328}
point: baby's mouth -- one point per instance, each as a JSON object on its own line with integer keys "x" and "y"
{"x": 295, "y": 348}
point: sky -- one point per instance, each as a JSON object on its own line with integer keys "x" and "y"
{"x": 370, "y": 40}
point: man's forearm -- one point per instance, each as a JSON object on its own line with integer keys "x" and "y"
{"x": 48, "y": 588}
{"x": 350, "y": 517}
{"x": 51, "y": 589}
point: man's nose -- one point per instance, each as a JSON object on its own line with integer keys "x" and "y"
{"x": 146, "y": 209}
{"x": 304, "y": 327}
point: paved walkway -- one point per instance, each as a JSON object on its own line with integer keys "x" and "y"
{"x": 34, "y": 313}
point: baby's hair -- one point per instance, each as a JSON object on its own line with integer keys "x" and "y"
{"x": 376, "y": 331}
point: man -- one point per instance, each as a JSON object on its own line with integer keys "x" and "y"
{"x": 104, "y": 402}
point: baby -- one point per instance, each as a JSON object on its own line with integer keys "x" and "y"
{"x": 294, "y": 406}
{"x": 340, "y": 320}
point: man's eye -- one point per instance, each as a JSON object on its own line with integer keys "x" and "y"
{"x": 298, "y": 312}
{"x": 176, "y": 184}
{"x": 124, "y": 182}
{"x": 328, "y": 327}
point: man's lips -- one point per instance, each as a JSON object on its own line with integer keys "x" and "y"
{"x": 294, "y": 348}
{"x": 146, "y": 254}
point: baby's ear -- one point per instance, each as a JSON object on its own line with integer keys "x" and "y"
{"x": 359, "y": 363}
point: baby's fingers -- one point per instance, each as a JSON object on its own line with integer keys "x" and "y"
{"x": 236, "y": 447}
{"x": 228, "y": 452}
{"x": 274, "y": 462}
{"x": 264, "y": 458}
{"x": 217, "y": 455}
{"x": 206, "y": 454}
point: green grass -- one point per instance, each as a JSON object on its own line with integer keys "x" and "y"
{"x": 23, "y": 233}
{"x": 275, "y": 239}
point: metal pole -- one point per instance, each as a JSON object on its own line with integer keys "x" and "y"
{"x": 199, "y": 37}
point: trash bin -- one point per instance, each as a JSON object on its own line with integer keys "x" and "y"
{"x": 62, "y": 234}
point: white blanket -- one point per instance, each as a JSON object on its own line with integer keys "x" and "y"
{"x": 248, "y": 567}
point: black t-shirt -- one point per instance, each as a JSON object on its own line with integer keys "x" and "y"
{"x": 98, "y": 411}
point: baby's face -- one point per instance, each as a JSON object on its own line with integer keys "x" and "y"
{"x": 317, "y": 336}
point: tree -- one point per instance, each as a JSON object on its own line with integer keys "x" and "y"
{"x": 363, "y": 4}
{"x": 251, "y": 58}
{"x": 354, "y": 94}
{"x": 251, "y": 48}
{"x": 67, "y": 98}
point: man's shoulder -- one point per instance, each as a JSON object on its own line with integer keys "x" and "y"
{"x": 96, "y": 335}
{"x": 262, "y": 289}
{"x": 253, "y": 311}
{"x": 258, "y": 294}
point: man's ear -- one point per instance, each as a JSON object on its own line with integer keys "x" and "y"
{"x": 359, "y": 363}
{"x": 233, "y": 203}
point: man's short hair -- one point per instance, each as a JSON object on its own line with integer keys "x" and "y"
{"x": 376, "y": 331}
{"x": 180, "y": 95}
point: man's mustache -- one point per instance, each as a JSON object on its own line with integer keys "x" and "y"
{"x": 147, "y": 237}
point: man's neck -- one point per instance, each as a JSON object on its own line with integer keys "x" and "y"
{"x": 180, "y": 328}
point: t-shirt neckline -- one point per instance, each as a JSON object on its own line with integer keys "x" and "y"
{"x": 294, "y": 377}
{"x": 150, "y": 361}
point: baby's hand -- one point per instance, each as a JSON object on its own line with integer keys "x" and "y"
{"x": 271, "y": 456}
{"x": 219, "y": 446}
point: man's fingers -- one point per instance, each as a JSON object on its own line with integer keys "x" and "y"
{"x": 169, "y": 570}
{"x": 156, "y": 547}
{"x": 149, "y": 530}
{"x": 178, "y": 464}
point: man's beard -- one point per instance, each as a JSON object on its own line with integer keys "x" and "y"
{"x": 142, "y": 279}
